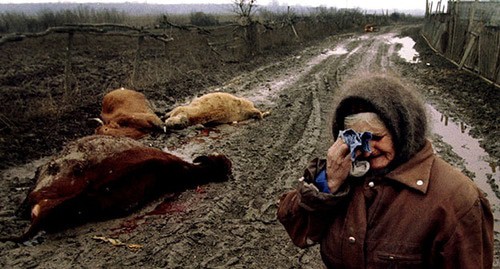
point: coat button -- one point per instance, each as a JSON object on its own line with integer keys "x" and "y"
{"x": 420, "y": 182}
{"x": 352, "y": 240}
{"x": 371, "y": 184}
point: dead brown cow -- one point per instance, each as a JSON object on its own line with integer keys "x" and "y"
{"x": 127, "y": 113}
{"x": 213, "y": 108}
{"x": 100, "y": 177}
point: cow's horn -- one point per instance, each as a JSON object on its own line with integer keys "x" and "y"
{"x": 98, "y": 120}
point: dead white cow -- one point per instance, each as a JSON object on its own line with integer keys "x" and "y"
{"x": 211, "y": 109}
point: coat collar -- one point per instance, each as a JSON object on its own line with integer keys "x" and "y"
{"x": 415, "y": 173}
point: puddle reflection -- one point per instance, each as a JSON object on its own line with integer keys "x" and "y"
{"x": 475, "y": 158}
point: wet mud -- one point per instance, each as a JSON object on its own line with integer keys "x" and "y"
{"x": 233, "y": 224}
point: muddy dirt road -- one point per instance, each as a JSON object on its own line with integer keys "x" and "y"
{"x": 233, "y": 224}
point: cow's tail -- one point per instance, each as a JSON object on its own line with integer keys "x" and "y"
{"x": 212, "y": 168}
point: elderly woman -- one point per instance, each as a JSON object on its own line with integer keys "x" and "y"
{"x": 397, "y": 205}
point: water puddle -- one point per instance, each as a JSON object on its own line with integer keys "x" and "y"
{"x": 265, "y": 93}
{"x": 364, "y": 37}
{"x": 407, "y": 51}
{"x": 475, "y": 158}
{"x": 336, "y": 51}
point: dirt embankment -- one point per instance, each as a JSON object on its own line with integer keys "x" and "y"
{"x": 233, "y": 224}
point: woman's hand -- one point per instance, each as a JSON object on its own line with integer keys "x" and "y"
{"x": 338, "y": 164}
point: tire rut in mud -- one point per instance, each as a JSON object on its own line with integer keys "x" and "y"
{"x": 273, "y": 144}
{"x": 266, "y": 156}
{"x": 231, "y": 224}
{"x": 306, "y": 105}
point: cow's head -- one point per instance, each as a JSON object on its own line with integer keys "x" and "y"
{"x": 177, "y": 122}
{"x": 114, "y": 129}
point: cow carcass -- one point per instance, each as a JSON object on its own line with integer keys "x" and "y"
{"x": 127, "y": 113}
{"x": 100, "y": 177}
{"x": 212, "y": 109}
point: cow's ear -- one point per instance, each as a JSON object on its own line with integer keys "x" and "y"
{"x": 113, "y": 124}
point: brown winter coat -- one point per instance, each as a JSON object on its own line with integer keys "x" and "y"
{"x": 423, "y": 214}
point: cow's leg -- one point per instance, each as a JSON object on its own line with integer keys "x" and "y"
{"x": 140, "y": 121}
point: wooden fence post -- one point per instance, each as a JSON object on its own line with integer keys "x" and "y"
{"x": 496, "y": 75}
{"x": 290, "y": 21}
{"x": 426, "y": 8}
{"x": 472, "y": 36}
{"x": 67, "y": 65}
{"x": 454, "y": 28}
{"x": 140, "y": 41}
{"x": 468, "y": 49}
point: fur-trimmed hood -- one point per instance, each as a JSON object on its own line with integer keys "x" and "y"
{"x": 400, "y": 108}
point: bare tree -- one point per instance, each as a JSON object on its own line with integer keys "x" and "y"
{"x": 245, "y": 10}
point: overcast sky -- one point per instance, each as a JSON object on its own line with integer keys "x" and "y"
{"x": 364, "y": 4}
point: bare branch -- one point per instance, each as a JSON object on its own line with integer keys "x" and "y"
{"x": 165, "y": 22}
{"x": 87, "y": 28}
{"x": 244, "y": 8}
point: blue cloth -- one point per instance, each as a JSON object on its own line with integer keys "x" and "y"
{"x": 321, "y": 182}
{"x": 356, "y": 141}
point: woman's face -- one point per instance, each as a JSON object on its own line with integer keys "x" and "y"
{"x": 381, "y": 145}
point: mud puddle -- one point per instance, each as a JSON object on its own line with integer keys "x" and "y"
{"x": 230, "y": 225}
{"x": 476, "y": 160}
{"x": 265, "y": 93}
{"x": 407, "y": 52}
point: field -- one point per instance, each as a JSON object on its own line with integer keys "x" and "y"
{"x": 225, "y": 225}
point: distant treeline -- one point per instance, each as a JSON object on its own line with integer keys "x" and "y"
{"x": 137, "y": 9}
{"x": 21, "y": 22}
{"x": 11, "y": 22}
{"x": 141, "y": 9}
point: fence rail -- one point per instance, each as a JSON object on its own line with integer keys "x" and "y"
{"x": 101, "y": 28}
